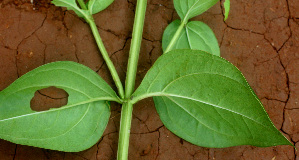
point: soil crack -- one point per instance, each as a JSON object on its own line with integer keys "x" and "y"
{"x": 14, "y": 156}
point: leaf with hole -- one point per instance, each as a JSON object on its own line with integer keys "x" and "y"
{"x": 71, "y": 5}
{"x": 74, "y": 127}
{"x": 190, "y": 8}
{"x": 195, "y": 35}
{"x": 205, "y": 100}
{"x": 96, "y": 6}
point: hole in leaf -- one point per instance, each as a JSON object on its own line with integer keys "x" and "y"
{"x": 47, "y": 98}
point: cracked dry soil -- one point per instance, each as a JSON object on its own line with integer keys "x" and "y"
{"x": 260, "y": 37}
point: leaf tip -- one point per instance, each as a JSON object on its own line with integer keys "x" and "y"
{"x": 226, "y": 5}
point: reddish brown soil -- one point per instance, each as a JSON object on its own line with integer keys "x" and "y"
{"x": 260, "y": 37}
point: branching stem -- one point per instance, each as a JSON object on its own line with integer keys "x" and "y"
{"x": 98, "y": 39}
{"x": 106, "y": 57}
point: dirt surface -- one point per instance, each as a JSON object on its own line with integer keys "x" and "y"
{"x": 260, "y": 37}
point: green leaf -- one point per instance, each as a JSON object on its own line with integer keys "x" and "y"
{"x": 95, "y": 6}
{"x": 226, "y": 9}
{"x": 71, "y": 5}
{"x": 205, "y": 100}
{"x": 196, "y": 35}
{"x": 74, "y": 127}
{"x": 190, "y": 8}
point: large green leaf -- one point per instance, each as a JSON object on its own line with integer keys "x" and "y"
{"x": 71, "y": 5}
{"x": 74, "y": 127}
{"x": 205, "y": 100}
{"x": 195, "y": 35}
{"x": 190, "y": 8}
{"x": 95, "y": 6}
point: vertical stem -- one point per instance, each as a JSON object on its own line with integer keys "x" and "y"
{"x": 127, "y": 108}
{"x": 175, "y": 37}
{"x": 105, "y": 55}
{"x": 135, "y": 47}
{"x": 124, "y": 132}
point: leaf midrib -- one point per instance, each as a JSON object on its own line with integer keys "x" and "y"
{"x": 61, "y": 108}
{"x": 196, "y": 118}
{"x": 163, "y": 93}
{"x": 58, "y": 135}
{"x": 205, "y": 41}
{"x": 191, "y": 8}
{"x": 159, "y": 94}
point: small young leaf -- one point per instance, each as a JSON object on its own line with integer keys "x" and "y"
{"x": 196, "y": 35}
{"x": 226, "y": 9}
{"x": 72, "y": 128}
{"x": 190, "y": 8}
{"x": 205, "y": 100}
{"x": 95, "y": 6}
{"x": 71, "y": 5}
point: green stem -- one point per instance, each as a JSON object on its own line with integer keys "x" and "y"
{"x": 82, "y": 4}
{"x": 175, "y": 37}
{"x": 105, "y": 55}
{"x": 127, "y": 108}
{"x": 135, "y": 47}
{"x": 124, "y": 132}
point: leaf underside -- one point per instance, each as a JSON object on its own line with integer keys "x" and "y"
{"x": 195, "y": 35}
{"x": 72, "y": 128}
{"x": 71, "y": 5}
{"x": 95, "y": 6}
{"x": 187, "y": 9}
{"x": 206, "y": 100}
